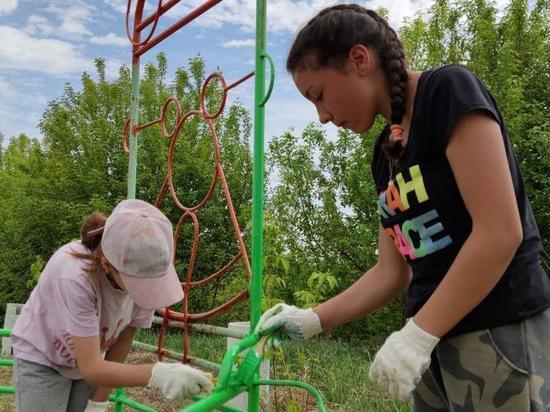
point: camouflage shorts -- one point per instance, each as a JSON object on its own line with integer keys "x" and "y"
{"x": 502, "y": 369}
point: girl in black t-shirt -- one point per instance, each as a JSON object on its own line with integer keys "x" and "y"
{"x": 456, "y": 227}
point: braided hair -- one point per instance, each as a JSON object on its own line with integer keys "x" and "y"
{"x": 327, "y": 39}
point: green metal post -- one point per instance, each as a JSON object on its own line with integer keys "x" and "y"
{"x": 119, "y": 393}
{"x": 312, "y": 391}
{"x": 258, "y": 188}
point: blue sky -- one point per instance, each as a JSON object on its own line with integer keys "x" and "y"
{"x": 47, "y": 43}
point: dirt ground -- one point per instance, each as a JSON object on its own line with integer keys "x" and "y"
{"x": 280, "y": 397}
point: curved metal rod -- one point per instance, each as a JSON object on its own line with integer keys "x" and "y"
{"x": 312, "y": 391}
{"x": 170, "y": 172}
{"x": 219, "y": 273}
{"x": 136, "y": 30}
{"x": 266, "y": 55}
{"x": 204, "y": 110}
{"x": 196, "y": 317}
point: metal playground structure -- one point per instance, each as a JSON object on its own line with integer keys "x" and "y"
{"x": 234, "y": 377}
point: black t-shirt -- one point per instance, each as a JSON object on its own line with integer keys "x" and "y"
{"x": 420, "y": 205}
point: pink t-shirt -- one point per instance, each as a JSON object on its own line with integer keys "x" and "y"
{"x": 68, "y": 301}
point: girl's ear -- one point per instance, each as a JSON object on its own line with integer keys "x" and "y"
{"x": 361, "y": 59}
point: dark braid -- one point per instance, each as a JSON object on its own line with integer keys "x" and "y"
{"x": 327, "y": 38}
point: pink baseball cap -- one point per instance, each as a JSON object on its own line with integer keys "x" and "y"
{"x": 139, "y": 242}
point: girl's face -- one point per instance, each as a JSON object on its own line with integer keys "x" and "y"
{"x": 347, "y": 97}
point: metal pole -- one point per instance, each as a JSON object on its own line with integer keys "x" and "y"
{"x": 203, "y": 363}
{"x": 134, "y": 105}
{"x": 132, "y": 144}
{"x": 258, "y": 189}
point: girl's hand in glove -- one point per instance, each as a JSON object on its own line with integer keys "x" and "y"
{"x": 293, "y": 322}
{"x": 94, "y": 406}
{"x": 402, "y": 360}
{"x": 178, "y": 381}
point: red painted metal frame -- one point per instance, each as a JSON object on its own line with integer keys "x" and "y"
{"x": 141, "y": 47}
{"x": 189, "y": 212}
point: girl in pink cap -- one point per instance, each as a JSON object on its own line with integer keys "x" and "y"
{"x": 76, "y": 329}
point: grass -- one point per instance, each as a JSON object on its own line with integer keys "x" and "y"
{"x": 338, "y": 369}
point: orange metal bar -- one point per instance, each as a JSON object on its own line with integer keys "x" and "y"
{"x": 175, "y": 27}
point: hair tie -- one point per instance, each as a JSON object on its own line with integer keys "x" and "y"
{"x": 396, "y": 132}
{"x": 95, "y": 231}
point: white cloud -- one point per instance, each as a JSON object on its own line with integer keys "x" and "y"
{"x": 62, "y": 20}
{"x": 110, "y": 39}
{"x": 118, "y": 5}
{"x": 39, "y": 25}
{"x": 7, "y": 6}
{"x": 73, "y": 18}
{"x": 21, "y": 51}
{"x": 240, "y": 43}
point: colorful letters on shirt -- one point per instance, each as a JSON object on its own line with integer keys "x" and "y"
{"x": 415, "y": 237}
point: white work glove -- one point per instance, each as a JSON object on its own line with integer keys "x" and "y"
{"x": 178, "y": 381}
{"x": 294, "y": 323}
{"x": 402, "y": 360}
{"x": 94, "y": 406}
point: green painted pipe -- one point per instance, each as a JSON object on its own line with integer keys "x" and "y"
{"x": 223, "y": 408}
{"x": 5, "y": 332}
{"x": 256, "y": 283}
{"x": 314, "y": 392}
{"x": 215, "y": 400}
{"x": 7, "y": 389}
{"x": 118, "y": 397}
